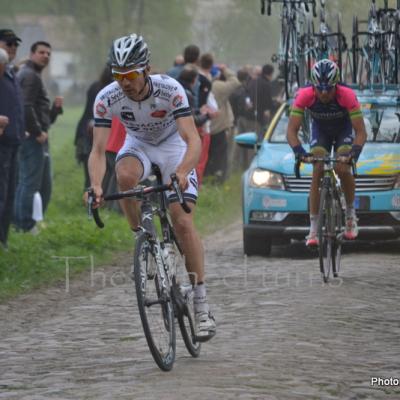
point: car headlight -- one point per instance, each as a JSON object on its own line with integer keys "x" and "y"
{"x": 262, "y": 178}
{"x": 397, "y": 182}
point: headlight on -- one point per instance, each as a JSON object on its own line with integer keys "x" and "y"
{"x": 397, "y": 182}
{"x": 262, "y": 178}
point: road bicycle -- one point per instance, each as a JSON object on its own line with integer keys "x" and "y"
{"x": 330, "y": 215}
{"x": 290, "y": 57}
{"x": 162, "y": 295}
{"x": 324, "y": 44}
{"x": 379, "y": 51}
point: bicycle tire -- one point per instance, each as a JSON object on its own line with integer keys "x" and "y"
{"x": 337, "y": 249}
{"x": 154, "y": 303}
{"x": 187, "y": 324}
{"x": 291, "y": 68}
{"x": 340, "y": 46}
{"x": 355, "y": 48}
{"x": 325, "y": 236}
{"x": 183, "y": 299}
{"x": 396, "y": 51}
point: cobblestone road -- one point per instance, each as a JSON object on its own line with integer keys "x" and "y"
{"x": 282, "y": 334}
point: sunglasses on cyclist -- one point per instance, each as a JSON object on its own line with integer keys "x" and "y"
{"x": 130, "y": 75}
{"x": 324, "y": 88}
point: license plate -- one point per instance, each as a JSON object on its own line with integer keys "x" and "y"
{"x": 361, "y": 203}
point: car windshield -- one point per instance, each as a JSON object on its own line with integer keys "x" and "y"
{"x": 381, "y": 122}
{"x": 279, "y": 134}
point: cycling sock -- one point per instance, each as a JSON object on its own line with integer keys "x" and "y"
{"x": 200, "y": 298}
{"x": 313, "y": 223}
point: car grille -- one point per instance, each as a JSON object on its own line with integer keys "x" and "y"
{"x": 364, "y": 183}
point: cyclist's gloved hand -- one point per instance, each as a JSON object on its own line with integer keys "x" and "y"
{"x": 355, "y": 151}
{"x": 299, "y": 152}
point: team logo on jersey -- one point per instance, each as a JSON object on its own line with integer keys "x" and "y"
{"x": 158, "y": 113}
{"x": 128, "y": 116}
{"x": 101, "y": 109}
{"x": 177, "y": 101}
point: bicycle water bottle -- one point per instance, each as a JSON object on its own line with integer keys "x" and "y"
{"x": 187, "y": 291}
{"x": 170, "y": 258}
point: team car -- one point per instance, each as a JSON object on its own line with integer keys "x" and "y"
{"x": 276, "y": 203}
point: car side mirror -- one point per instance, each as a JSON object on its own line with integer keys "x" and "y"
{"x": 248, "y": 140}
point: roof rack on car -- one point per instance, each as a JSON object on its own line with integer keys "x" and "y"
{"x": 378, "y": 94}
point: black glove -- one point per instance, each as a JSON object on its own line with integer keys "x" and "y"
{"x": 355, "y": 152}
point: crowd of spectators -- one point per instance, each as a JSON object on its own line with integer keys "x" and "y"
{"x": 26, "y": 114}
{"x": 224, "y": 103}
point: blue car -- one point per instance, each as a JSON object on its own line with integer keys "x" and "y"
{"x": 276, "y": 203}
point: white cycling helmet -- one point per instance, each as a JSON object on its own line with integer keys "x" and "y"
{"x": 129, "y": 51}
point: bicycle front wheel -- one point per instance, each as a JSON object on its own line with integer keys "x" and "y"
{"x": 154, "y": 303}
{"x": 326, "y": 233}
{"x": 338, "y": 239}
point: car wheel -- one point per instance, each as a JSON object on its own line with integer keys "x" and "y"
{"x": 256, "y": 245}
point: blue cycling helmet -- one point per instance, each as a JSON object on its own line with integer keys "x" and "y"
{"x": 325, "y": 74}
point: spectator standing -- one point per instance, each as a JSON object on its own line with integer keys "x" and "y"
{"x": 206, "y": 101}
{"x": 84, "y": 130}
{"x": 261, "y": 93}
{"x": 34, "y": 158}
{"x": 222, "y": 89}
{"x": 191, "y": 55}
{"x": 244, "y": 114}
{"x": 11, "y": 129}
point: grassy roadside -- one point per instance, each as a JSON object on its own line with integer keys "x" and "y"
{"x": 37, "y": 261}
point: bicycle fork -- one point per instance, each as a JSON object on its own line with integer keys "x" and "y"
{"x": 162, "y": 269}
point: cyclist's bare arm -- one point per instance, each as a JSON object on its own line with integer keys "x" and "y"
{"x": 188, "y": 132}
{"x": 293, "y": 130}
{"x": 97, "y": 160}
{"x": 359, "y": 130}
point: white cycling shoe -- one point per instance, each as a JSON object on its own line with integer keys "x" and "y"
{"x": 205, "y": 326}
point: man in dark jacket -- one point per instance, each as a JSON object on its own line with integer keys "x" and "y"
{"x": 261, "y": 90}
{"x": 11, "y": 131}
{"x": 34, "y": 158}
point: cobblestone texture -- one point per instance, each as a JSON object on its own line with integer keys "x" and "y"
{"x": 282, "y": 334}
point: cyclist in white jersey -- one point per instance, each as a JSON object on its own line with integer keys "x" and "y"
{"x": 160, "y": 129}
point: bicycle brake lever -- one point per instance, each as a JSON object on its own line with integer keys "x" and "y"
{"x": 177, "y": 189}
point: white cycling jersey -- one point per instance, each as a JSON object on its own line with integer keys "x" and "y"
{"x": 152, "y": 134}
{"x": 151, "y": 120}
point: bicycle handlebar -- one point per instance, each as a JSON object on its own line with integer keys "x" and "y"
{"x": 137, "y": 192}
{"x": 310, "y": 159}
{"x": 94, "y": 212}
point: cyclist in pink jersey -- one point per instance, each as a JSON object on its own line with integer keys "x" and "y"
{"x": 336, "y": 122}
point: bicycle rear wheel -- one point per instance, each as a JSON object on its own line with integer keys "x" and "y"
{"x": 325, "y": 234}
{"x": 154, "y": 303}
{"x": 184, "y": 302}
